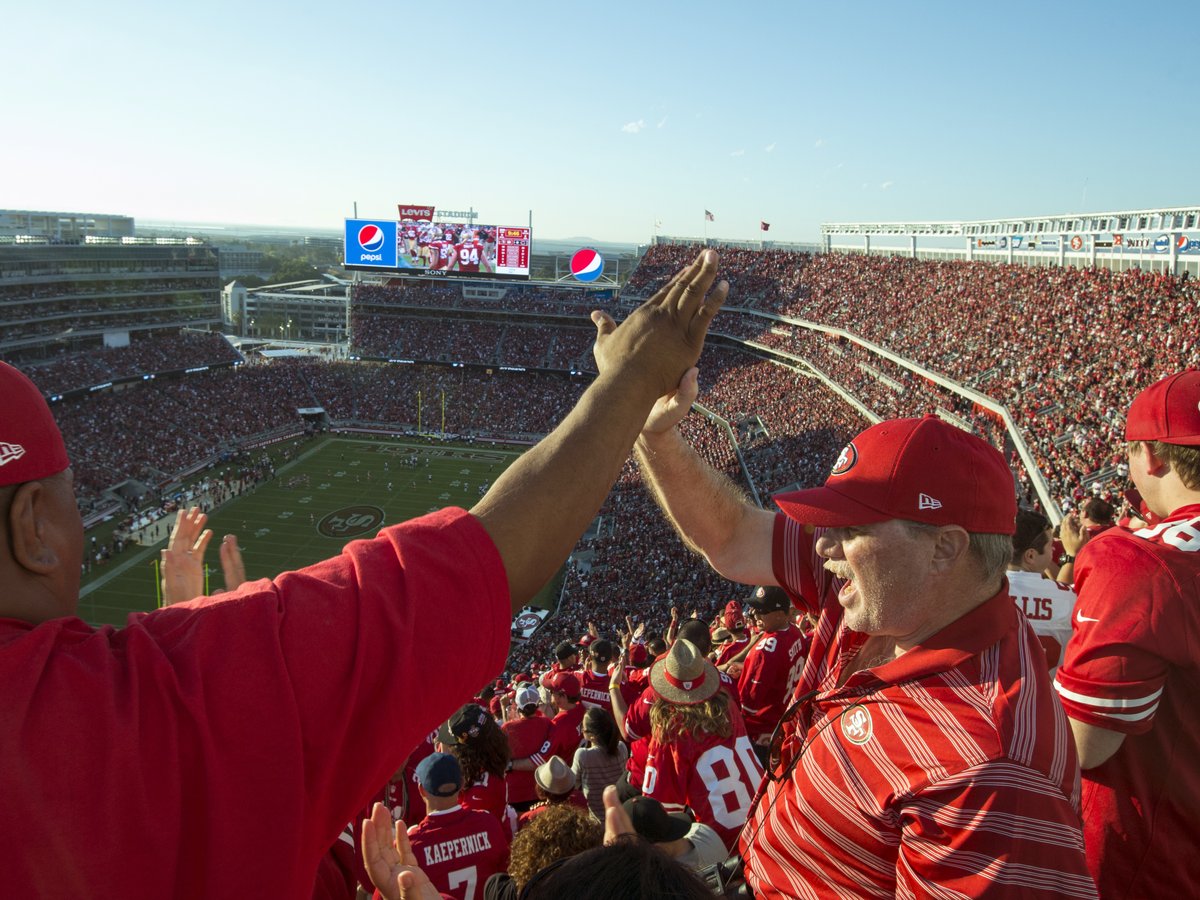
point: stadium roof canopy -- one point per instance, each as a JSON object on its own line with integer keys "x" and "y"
{"x": 1171, "y": 219}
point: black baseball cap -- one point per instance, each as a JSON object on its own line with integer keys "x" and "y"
{"x": 654, "y": 823}
{"x": 769, "y": 599}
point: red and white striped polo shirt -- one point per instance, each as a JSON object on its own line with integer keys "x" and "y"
{"x": 949, "y": 771}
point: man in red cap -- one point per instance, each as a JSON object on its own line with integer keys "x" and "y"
{"x": 923, "y": 753}
{"x": 1132, "y": 669}
{"x": 137, "y": 761}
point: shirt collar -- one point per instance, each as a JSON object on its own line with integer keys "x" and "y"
{"x": 965, "y": 637}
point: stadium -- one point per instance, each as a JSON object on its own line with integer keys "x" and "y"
{"x": 304, "y": 414}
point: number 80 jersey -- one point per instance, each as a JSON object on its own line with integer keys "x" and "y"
{"x": 716, "y": 778}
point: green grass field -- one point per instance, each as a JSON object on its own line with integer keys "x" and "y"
{"x": 334, "y": 490}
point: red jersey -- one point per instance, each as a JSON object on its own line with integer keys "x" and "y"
{"x": 443, "y": 254}
{"x": 470, "y": 253}
{"x": 716, "y": 778}
{"x": 594, "y": 690}
{"x": 637, "y": 732}
{"x": 732, "y": 649}
{"x": 459, "y": 849}
{"x": 265, "y": 698}
{"x": 769, "y": 678}
{"x": 948, "y": 770}
{"x": 566, "y": 738}
{"x": 488, "y": 794}
{"x": 1133, "y": 666}
{"x": 525, "y": 738}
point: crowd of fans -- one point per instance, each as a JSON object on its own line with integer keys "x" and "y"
{"x": 1059, "y": 347}
{"x": 522, "y": 298}
{"x": 147, "y": 353}
{"x": 493, "y": 342}
{"x": 1042, "y": 342}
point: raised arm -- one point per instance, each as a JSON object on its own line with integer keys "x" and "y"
{"x": 708, "y": 510}
{"x": 539, "y": 507}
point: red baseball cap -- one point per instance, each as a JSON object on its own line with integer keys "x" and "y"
{"x": 922, "y": 470}
{"x": 1167, "y": 411}
{"x": 31, "y": 446}
{"x": 565, "y": 683}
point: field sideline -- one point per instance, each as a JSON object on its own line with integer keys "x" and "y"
{"x": 335, "y": 490}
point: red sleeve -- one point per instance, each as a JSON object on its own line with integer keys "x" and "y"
{"x": 300, "y": 696}
{"x": 1126, "y": 619}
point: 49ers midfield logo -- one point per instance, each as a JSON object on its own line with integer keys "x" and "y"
{"x": 856, "y": 724}
{"x": 847, "y": 459}
{"x": 351, "y": 521}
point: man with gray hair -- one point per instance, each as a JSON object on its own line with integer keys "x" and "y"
{"x": 923, "y": 752}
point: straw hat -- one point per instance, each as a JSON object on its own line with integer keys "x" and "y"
{"x": 684, "y": 676}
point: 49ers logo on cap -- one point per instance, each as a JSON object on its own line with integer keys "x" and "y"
{"x": 10, "y": 452}
{"x": 847, "y": 459}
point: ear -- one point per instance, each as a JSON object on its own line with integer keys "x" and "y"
{"x": 1027, "y": 558}
{"x": 950, "y": 547}
{"x": 28, "y": 529}
{"x": 1152, "y": 463}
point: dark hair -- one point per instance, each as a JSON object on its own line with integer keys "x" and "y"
{"x": 655, "y": 647}
{"x": 1099, "y": 511}
{"x": 603, "y": 651}
{"x": 629, "y": 868}
{"x": 697, "y": 632}
{"x": 1030, "y": 535}
{"x": 486, "y": 752}
{"x": 600, "y": 722}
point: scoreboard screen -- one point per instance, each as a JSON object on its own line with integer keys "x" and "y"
{"x": 438, "y": 249}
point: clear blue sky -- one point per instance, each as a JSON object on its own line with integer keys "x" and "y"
{"x": 601, "y": 118}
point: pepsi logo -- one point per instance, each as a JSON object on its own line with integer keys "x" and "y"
{"x": 587, "y": 264}
{"x": 1181, "y": 242}
{"x": 846, "y": 460}
{"x": 370, "y": 237}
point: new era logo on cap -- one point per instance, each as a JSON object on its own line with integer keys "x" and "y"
{"x": 10, "y": 452}
{"x": 924, "y": 501}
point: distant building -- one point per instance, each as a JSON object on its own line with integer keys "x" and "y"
{"x": 237, "y": 261}
{"x": 70, "y": 227}
{"x": 64, "y": 298}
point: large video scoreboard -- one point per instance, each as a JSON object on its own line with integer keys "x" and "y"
{"x": 437, "y": 249}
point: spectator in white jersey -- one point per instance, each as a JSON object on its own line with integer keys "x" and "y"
{"x": 1048, "y": 603}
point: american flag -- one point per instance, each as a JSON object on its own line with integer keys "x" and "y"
{"x": 765, "y": 226}
{"x": 709, "y": 217}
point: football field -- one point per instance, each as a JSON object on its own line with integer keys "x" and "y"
{"x": 335, "y": 490}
